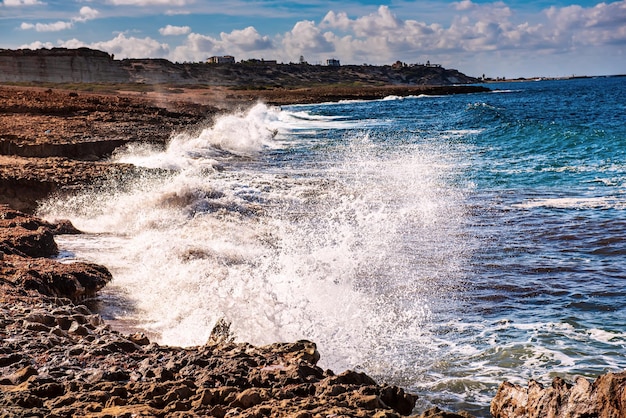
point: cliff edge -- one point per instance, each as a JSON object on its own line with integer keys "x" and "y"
{"x": 84, "y": 65}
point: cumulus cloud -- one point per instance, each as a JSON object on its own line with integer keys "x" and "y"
{"x": 307, "y": 38}
{"x": 170, "y": 30}
{"x": 37, "y": 45}
{"x": 475, "y": 28}
{"x": 245, "y": 40}
{"x": 85, "y": 13}
{"x": 492, "y": 31}
{"x": 244, "y": 43}
{"x": 123, "y": 47}
{"x": 47, "y": 27}
{"x": 598, "y": 25}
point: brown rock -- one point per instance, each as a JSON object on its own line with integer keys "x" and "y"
{"x": 249, "y": 398}
{"x": 438, "y": 413}
{"x": 22, "y": 375}
{"x": 605, "y": 398}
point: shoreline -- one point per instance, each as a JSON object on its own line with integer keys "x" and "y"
{"x": 59, "y": 357}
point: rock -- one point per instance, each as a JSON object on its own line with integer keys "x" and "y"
{"x": 604, "y": 398}
{"x": 249, "y": 398}
{"x": 438, "y": 413}
{"x": 65, "y": 227}
{"x": 23, "y": 235}
{"x": 75, "y": 281}
{"x": 25, "y": 242}
{"x": 22, "y": 375}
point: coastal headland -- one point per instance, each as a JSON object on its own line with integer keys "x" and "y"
{"x": 58, "y": 357}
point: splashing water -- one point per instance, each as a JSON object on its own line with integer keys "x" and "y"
{"x": 443, "y": 244}
{"x": 289, "y": 226}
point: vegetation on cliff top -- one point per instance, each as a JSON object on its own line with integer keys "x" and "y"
{"x": 86, "y": 65}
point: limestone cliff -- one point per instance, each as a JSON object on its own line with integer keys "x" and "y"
{"x": 83, "y": 65}
{"x": 60, "y": 65}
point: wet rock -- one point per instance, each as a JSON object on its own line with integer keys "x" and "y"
{"x": 604, "y": 398}
{"x": 24, "y": 240}
{"x": 438, "y": 413}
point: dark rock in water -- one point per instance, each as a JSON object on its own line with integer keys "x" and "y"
{"x": 25, "y": 235}
{"x": 604, "y": 398}
{"x": 25, "y": 241}
{"x": 65, "y": 227}
{"x": 48, "y": 277}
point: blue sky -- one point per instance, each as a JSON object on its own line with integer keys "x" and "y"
{"x": 511, "y": 38}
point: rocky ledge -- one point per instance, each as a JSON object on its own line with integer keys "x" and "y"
{"x": 59, "y": 359}
{"x": 52, "y": 140}
{"x": 604, "y": 398}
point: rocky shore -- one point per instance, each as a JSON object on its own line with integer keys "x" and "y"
{"x": 58, "y": 358}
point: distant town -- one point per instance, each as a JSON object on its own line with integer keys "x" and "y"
{"x": 330, "y": 62}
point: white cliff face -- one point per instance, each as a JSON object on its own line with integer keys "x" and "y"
{"x": 60, "y": 66}
{"x": 83, "y": 65}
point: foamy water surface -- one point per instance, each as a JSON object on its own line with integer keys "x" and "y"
{"x": 421, "y": 240}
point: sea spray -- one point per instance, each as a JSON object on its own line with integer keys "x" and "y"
{"x": 444, "y": 244}
{"x": 324, "y": 247}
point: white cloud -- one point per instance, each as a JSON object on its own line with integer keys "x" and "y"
{"x": 86, "y": 13}
{"x": 124, "y": 47}
{"x": 247, "y": 40}
{"x": 170, "y": 30}
{"x": 47, "y": 27}
{"x": 178, "y": 12}
{"x": 37, "y": 45}
{"x": 598, "y": 25}
{"x": 19, "y": 3}
{"x": 245, "y": 43}
{"x": 306, "y": 38}
{"x": 475, "y": 35}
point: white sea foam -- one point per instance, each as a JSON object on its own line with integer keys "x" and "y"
{"x": 348, "y": 253}
{"x": 602, "y": 202}
{"x": 241, "y": 134}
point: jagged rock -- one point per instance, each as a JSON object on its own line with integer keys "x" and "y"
{"x": 24, "y": 242}
{"x": 24, "y": 235}
{"x": 438, "y": 413}
{"x": 604, "y": 398}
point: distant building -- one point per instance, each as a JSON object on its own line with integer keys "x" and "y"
{"x": 331, "y": 62}
{"x": 225, "y": 59}
{"x": 256, "y": 61}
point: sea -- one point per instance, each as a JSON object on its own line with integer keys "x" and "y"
{"x": 444, "y": 244}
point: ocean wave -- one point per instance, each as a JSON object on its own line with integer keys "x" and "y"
{"x": 602, "y": 202}
{"x": 243, "y": 134}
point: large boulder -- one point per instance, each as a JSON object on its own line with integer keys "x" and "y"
{"x": 26, "y": 245}
{"x": 604, "y": 398}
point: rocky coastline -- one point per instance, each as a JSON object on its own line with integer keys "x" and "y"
{"x": 58, "y": 358}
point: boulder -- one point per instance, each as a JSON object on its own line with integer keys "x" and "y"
{"x": 26, "y": 242}
{"x": 604, "y": 398}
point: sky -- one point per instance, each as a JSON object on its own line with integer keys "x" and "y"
{"x": 510, "y": 38}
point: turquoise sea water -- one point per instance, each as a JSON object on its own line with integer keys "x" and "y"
{"x": 443, "y": 244}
